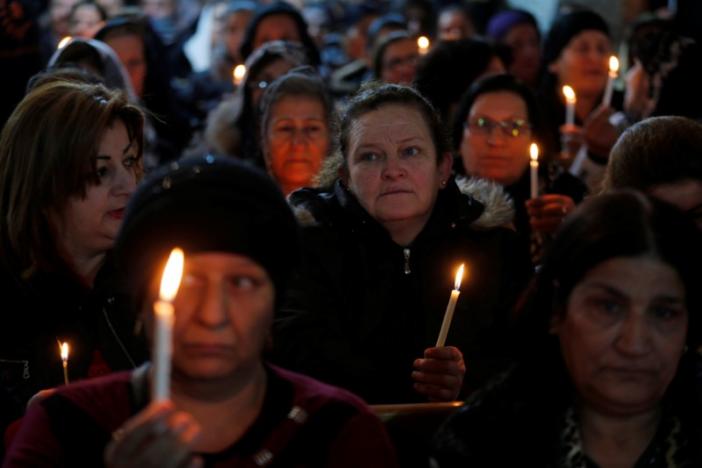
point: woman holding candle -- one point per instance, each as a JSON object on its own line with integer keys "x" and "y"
{"x": 608, "y": 342}
{"x": 577, "y": 51}
{"x": 297, "y": 115}
{"x": 70, "y": 158}
{"x": 382, "y": 245}
{"x": 496, "y": 123}
{"x": 227, "y": 407}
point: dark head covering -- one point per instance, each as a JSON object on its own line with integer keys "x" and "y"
{"x": 206, "y": 204}
{"x": 280, "y": 8}
{"x": 501, "y": 24}
{"x": 567, "y": 26}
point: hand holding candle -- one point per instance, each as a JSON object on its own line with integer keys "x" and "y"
{"x": 613, "y": 71}
{"x": 448, "y": 315}
{"x": 238, "y": 74}
{"x": 64, "y": 361}
{"x": 534, "y": 164}
{"x": 163, "y": 310}
{"x": 571, "y": 99}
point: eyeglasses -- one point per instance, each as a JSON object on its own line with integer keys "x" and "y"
{"x": 510, "y": 128}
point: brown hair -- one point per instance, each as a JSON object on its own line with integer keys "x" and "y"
{"x": 47, "y": 155}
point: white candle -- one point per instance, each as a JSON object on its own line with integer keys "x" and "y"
{"x": 64, "y": 361}
{"x": 570, "y": 104}
{"x": 423, "y": 44}
{"x": 534, "y": 164}
{"x": 64, "y": 42}
{"x": 448, "y": 315}
{"x": 163, "y": 328}
{"x": 613, "y": 70}
{"x": 238, "y": 74}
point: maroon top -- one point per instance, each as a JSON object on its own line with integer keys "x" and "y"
{"x": 303, "y": 423}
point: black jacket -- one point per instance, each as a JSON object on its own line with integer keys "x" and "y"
{"x": 55, "y": 306}
{"x": 362, "y": 308}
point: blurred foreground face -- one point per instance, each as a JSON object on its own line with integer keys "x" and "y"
{"x": 400, "y": 62}
{"x": 623, "y": 334}
{"x": 496, "y": 138}
{"x": 298, "y": 141}
{"x": 584, "y": 63}
{"x": 224, "y": 309}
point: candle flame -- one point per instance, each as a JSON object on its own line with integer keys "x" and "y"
{"x": 170, "y": 281}
{"x": 613, "y": 65}
{"x": 459, "y": 277}
{"x": 64, "y": 42}
{"x": 423, "y": 42}
{"x": 534, "y": 152}
{"x": 64, "y": 351}
{"x": 238, "y": 73}
{"x": 569, "y": 94}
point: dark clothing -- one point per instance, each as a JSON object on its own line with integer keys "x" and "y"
{"x": 302, "y": 423}
{"x": 362, "y": 308}
{"x": 54, "y": 307}
{"x": 527, "y": 417}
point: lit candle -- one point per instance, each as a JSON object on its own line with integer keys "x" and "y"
{"x": 238, "y": 74}
{"x": 448, "y": 315}
{"x": 613, "y": 70}
{"x": 64, "y": 361}
{"x": 164, "y": 315}
{"x": 534, "y": 163}
{"x": 423, "y": 44}
{"x": 64, "y": 42}
{"x": 570, "y": 104}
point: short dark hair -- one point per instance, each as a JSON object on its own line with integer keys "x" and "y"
{"x": 493, "y": 84}
{"x": 657, "y": 150}
{"x": 375, "y": 95}
{"x": 382, "y": 46}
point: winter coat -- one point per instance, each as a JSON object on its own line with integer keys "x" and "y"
{"x": 362, "y": 308}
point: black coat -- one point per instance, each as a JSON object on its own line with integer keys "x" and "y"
{"x": 362, "y": 308}
{"x": 55, "y": 306}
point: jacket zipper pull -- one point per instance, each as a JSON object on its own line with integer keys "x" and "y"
{"x": 406, "y": 253}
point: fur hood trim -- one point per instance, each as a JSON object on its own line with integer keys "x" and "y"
{"x": 499, "y": 207}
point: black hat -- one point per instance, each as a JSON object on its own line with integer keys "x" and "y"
{"x": 206, "y": 204}
{"x": 567, "y": 26}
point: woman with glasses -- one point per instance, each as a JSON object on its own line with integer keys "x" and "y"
{"x": 296, "y": 116}
{"x": 395, "y": 58}
{"x": 495, "y": 125}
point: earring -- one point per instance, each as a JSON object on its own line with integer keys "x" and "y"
{"x": 443, "y": 183}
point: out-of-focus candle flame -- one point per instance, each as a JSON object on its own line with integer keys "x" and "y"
{"x": 238, "y": 74}
{"x": 613, "y": 65}
{"x": 459, "y": 277}
{"x": 170, "y": 281}
{"x": 64, "y": 351}
{"x": 569, "y": 94}
{"x": 63, "y": 42}
{"x": 534, "y": 152}
{"x": 423, "y": 44}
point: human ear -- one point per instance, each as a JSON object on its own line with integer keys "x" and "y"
{"x": 445, "y": 166}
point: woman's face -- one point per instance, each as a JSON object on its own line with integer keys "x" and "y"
{"x": 276, "y": 27}
{"x": 297, "y": 141}
{"x": 584, "y": 63}
{"x": 523, "y": 41}
{"x": 85, "y": 21}
{"x": 223, "y": 310}
{"x": 400, "y": 62}
{"x": 623, "y": 334}
{"x": 88, "y": 226}
{"x": 392, "y": 165}
{"x": 496, "y": 138}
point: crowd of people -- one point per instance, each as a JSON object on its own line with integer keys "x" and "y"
{"x": 334, "y": 172}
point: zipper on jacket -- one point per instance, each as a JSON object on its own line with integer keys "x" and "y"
{"x": 25, "y": 366}
{"x": 117, "y": 338}
{"x": 406, "y": 253}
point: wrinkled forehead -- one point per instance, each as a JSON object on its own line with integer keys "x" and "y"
{"x": 389, "y": 123}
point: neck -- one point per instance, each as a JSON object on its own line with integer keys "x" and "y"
{"x": 616, "y": 440}
{"x": 404, "y": 232}
{"x": 224, "y": 408}
{"x": 87, "y": 267}
{"x": 585, "y": 105}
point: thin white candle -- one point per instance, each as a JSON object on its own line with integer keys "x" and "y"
{"x": 534, "y": 164}
{"x": 570, "y": 104}
{"x": 448, "y": 315}
{"x": 163, "y": 331}
{"x": 238, "y": 74}
{"x": 423, "y": 44}
{"x": 613, "y": 71}
{"x": 64, "y": 361}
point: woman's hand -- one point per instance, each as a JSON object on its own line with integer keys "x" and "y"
{"x": 547, "y": 211}
{"x": 158, "y": 436}
{"x": 439, "y": 375}
{"x": 599, "y": 134}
